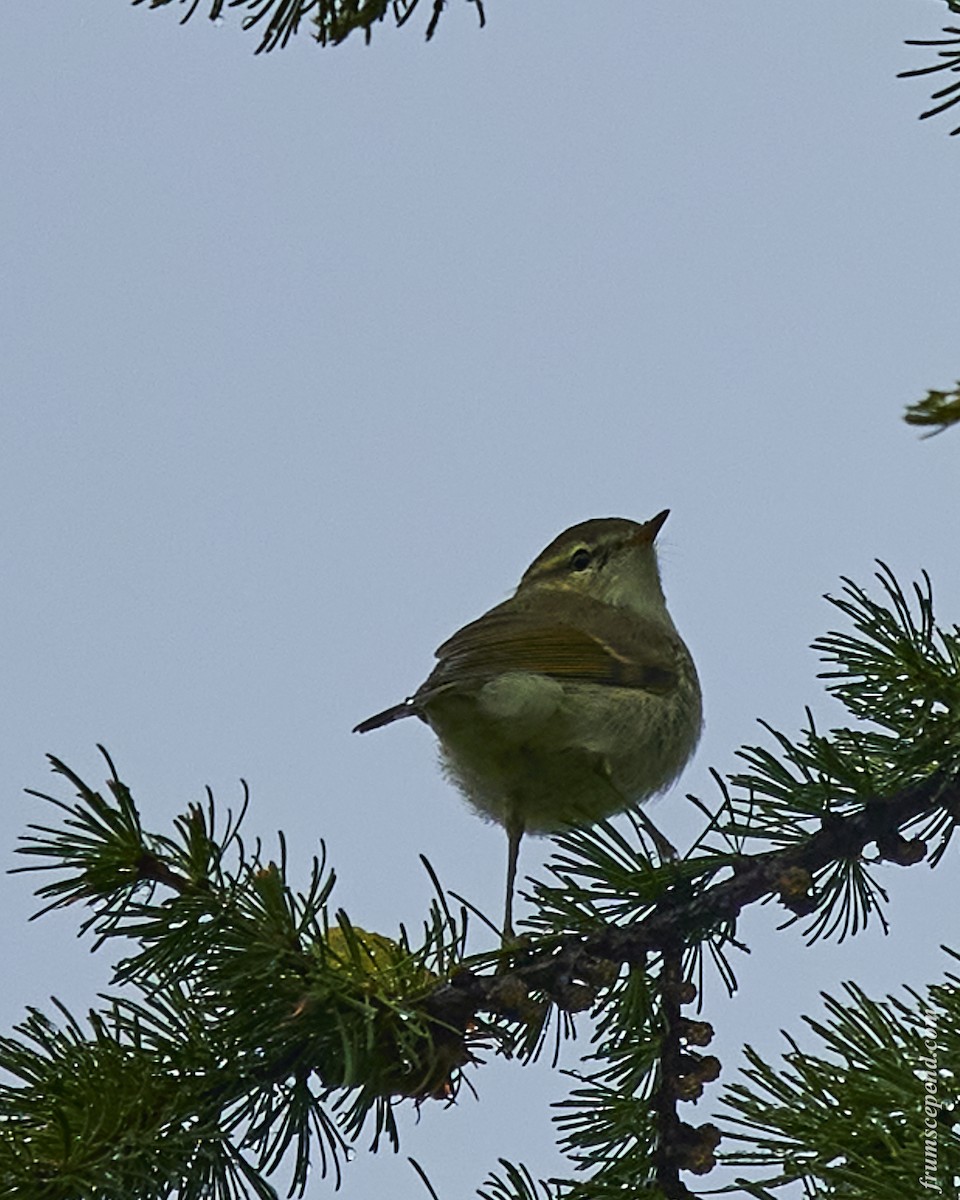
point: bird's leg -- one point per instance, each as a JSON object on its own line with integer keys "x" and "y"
{"x": 514, "y": 834}
{"x": 665, "y": 848}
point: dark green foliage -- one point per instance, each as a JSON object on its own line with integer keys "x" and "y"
{"x": 847, "y": 1121}
{"x": 940, "y": 409}
{"x": 607, "y": 1126}
{"x": 256, "y": 1029}
{"x": 329, "y": 21}
{"x": 518, "y": 1184}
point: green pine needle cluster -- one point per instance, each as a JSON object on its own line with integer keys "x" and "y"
{"x": 330, "y": 22}
{"x": 875, "y": 1113}
{"x": 253, "y": 1027}
{"x": 938, "y": 409}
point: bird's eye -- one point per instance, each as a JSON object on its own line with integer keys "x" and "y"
{"x": 580, "y": 559}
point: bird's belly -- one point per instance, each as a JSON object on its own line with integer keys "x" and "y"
{"x": 529, "y": 749}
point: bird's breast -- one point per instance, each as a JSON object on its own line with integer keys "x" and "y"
{"x": 558, "y": 753}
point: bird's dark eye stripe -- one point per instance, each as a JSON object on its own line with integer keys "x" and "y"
{"x": 580, "y": 559}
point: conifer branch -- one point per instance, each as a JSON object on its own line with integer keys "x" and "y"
{"x": 844, "y": 1119}
{"x": 330, "y": 22}
{"x": 786, "y": 875}
{"x": 257, "y": 1025}
{"x": 938, "y": 409}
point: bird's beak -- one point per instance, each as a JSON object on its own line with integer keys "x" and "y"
{"x": 646, "y": 535}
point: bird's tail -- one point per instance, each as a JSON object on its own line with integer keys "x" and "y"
{"x": 396, "y": 713}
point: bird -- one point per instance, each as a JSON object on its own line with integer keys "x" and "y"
{"x": 571, "y": 701}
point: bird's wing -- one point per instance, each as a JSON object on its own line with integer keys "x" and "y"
{"x": 593, "y": 644}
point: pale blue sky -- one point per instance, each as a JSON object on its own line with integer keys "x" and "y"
{"x": 306, "y": 356}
